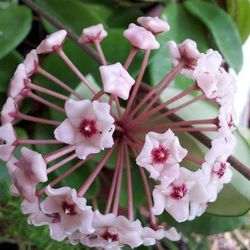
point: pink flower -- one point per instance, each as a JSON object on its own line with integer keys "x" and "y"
{"x": 93, "y": 34}
{"x": 153, "y": 24}
{"x": 150, "y": 235}
{"x": 116, "y": 80}
{"x": 30, "y": 170}
{"x": 186, "y": 52}
{"x": 226, "y": 117}
{"x": 8, "y": 111}
{"x": 213, "y": 80}
{"x": 31, "y": 62}
{"x": 38, "y": 218}
{"x": 89, "y": 127}
{"x": 112, "y": 232}
{"x": 141, "y": 38}
{"x": 216, "y": 174}
{"x": 18, "y": 82}
{"x": 72, "y": 212}
{"x": 160, "y": 155}
{"x": 180, "y": 195}
{"x": 7, "y": 141}
{"x": 52, "y": 42}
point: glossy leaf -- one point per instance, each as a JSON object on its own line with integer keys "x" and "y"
{"x": 240, "y": 12}
{"x": 223, "y": 29}
{"x": 77, "y": 15}
{"x": 182, "y": 26}
{"x": 7, "y": 67}
{"x": 207, "y": 224}
{"x": 15, "y": 24}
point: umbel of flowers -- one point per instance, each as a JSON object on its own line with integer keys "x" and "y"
{"x": 134, "y": 132}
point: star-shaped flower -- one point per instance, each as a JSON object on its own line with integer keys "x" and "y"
{"x": 116, "y": 80}
{"x": 89, "y": 127}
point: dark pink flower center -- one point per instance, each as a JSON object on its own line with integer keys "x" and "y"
{"x": 179, "y": 191}
{"x": 68, "y": 209}
{"x": 88, "y": 127}
{"x": 110, "y": 237}
{"x": 159, "y": 154}
{"x": 221, "y": 171}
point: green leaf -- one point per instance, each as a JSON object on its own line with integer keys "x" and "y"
{"x": 238, "y": 188}
{"x": 207, "y": 224}
{"x": 240, "y": 12}
{"x": 223, "y": 29}
{"x": 77, "y": 15}
{"x": 7, "y": 67}
{"x": 15, "y": 24}
{"x": 183, "y": 26}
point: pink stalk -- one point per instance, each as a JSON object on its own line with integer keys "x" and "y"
{"x": 58, "y": 153}
{"x": 119, "y": 181}
{"x": 137, "y": 83}
{"x": 172, "y": 100}
{"x": 61, "y": 163}
{"x": 45, "y": 102}
{"x": 148, "y": 194}
{"x": 167, "y": 125}
{"x": 194, "y": 129}
{"x": 100, "y": 53}
{"x": 112, "y": 188}
{"x": 129, "y": 186}
{"x": 184, "y": 129}
{"x": 64, "y": 175}
{"x": 97, "y": 95}
{"x": 147, "y": 191}
{"x": 83, "y": 189}
{"x": 36, "y": 119}
{"x": 174, "y": 110}
{"x": 48, "y": 92}
{"x": 37, "y": 142}
{"x": 146, "y": 114}
{"x": 194, "y": 159}
{"x": 130, "y": 58}
{"x": 70, "y": 64}
{"x": 164, "y": 83}
{"x": 118, "y": 106}
{"x": 58, "y": 82}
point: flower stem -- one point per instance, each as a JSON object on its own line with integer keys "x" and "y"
{"x": 130, "y": 58}
{"x": 58, "y": 82}
{"x": 159, "y": 107}
{"x": 167, "y": 125}
{"x": 119, "y": 180}
{"x": 64, "y": 175}
{"x": 58, "y": 153}
{"x": 98, "y": 95}
{"x": 112, "y": 188}
{"x": 61, "y": 163}
{"x": 45, "y": 102}
{"x": 100, "y": 53}
{"x": 174, "y": 110}
{"x": 129, "y": 186}
{"x": 36, "y": 119}
{"x": 83, "y": 189}
{"x": 161, "y": 85}
{"x": 72, "y": 66}
{"x": 137, "y": 83}
{"x": 47, "y": 91}
{"x": 37, "y": 142}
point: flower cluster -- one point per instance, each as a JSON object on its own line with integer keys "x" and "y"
{"x": 140, "y": 130}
